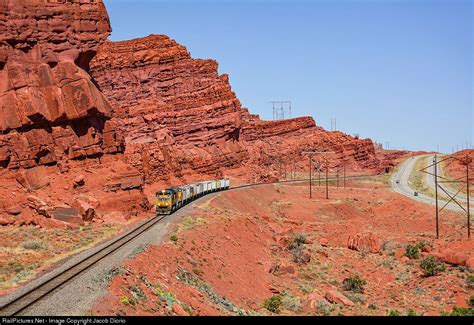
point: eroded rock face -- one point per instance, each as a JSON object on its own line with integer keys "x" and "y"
{"x": 181, "y": 117}
{"x": 50, "y": 108}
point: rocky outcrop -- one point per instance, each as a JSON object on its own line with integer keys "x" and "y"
{"x": 365, "y": 243}
{"x": 67, "y": 93}
{"x": 282, "y": 143}
{"x": 178, "y": 114}
{"x": 181, "y": 117}
{"x": 50, "y": 108}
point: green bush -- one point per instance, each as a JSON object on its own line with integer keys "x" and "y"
{"x": 128, "y": 301}
{"x": 431, "y": 266}
{"x": 413, "y": 252}
{"x": 354, "y": 283}
{"x": 174, "y": 238}
{"x": 412, "y": 312}
{"x": 372, "y": 307}
{"x": 273, "y": 304}
{"x": 296, "y": 241}
{"x": 470, "y": 281}
{"x": 394, "y": 313}
{"x": 471, "y": 301}
{"x": 290, "y": 302}
{"x": 461, "y": 311}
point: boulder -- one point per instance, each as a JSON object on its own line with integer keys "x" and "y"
{"x": 367, "y": 243}
{"x": 324, "y": 242}
{"x": 315, "y": 300}
{"x": 79, "y": 181}
{"x": 33, "y": 179}
{"x": 178, "y": 310}
{"x": 6, "y": 220}
{"x": 87, "y": 211}
{"x": 14, "y": 210}
{"x": 125, "y": 182}
{"x": 35, "y": 202}
{"x": 68, "y": 215}
{"x": 336, "y": 297}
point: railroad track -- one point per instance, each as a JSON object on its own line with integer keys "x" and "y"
{"x": 29, "y": 298}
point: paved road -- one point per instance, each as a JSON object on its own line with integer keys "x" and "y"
{"x": 431, "y": 183}
{"x": 400, "y": 183}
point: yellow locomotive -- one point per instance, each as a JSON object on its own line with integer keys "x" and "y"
{"x": 171, "y": 199}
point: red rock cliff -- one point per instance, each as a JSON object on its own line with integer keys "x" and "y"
{"x": 50, "y": 108}
{"x": 179, "y": 116}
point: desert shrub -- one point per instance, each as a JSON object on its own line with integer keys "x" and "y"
{"x": 188, "y": 309}
{"x": 470, "y": 281}
{"x": 128, "y": 301}
{"x": 462, "y": 311}
{"x": 471, "y": 301}
{"x": 296, "y": 241}
{"x": 299, "y": 255}
{"x": 137, "y": 293}
{"x": 174, "y": 238}
{"x": 34, "y": 245}
{"x": 273, "y": 304}
{"x": 431, "y": 266}
{"x": 324, "y": 308}
{"x": 413, "y": 252}
{"x": 372, "y": 307}
{"x": 296, "y": 248}
{"x": 354, "y": 283}
{"x": 394, "y": 313}
{"x": 290, "y": 302}
{"x": 412, "y": 312}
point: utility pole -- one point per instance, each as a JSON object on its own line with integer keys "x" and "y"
{"x": 310, "y": 180}
{"x": 468, "y": 194}
{"x": 344, "y": 175}
{"x": 327, "y": 171}
{"x": 436, "y": 194}
{"x": 325, "y": 153}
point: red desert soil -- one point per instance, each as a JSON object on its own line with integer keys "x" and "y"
{"x": 231, "y": 254}
{"x": 456, "y": 168}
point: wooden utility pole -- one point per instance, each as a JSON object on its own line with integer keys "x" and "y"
{"x": 310, "y": 180}
{"x": 344, "y": 175}
{"x": 326, "y": 162}
{"x": 327, "y": 172}
{"x": 436, "y": 194}
{"x": 468, "y": 194}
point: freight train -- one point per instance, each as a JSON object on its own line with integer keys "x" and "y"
{"x": 172, "y": 199}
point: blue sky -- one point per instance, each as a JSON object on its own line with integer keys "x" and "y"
{"x": 397, "y": 71}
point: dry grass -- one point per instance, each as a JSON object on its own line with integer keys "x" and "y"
{"x": 27, "y": 250}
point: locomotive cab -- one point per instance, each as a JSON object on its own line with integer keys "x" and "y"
{"x": 165, "y": 201}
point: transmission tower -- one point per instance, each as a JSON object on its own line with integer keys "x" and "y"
{"x": 280, "y": 109}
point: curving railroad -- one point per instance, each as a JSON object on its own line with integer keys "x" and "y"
{"x": 24, "y": 300}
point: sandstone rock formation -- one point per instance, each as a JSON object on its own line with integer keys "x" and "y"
{"x": 181, "y": 117}
{"x": 368, "y": 243}
{"x": 50, "y": 108}
{"x": 69, "y": 99}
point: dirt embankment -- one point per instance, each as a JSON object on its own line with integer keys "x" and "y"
{"x": 271, "y": 249}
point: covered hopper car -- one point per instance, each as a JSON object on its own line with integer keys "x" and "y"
{"x": 171, "y": 199}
